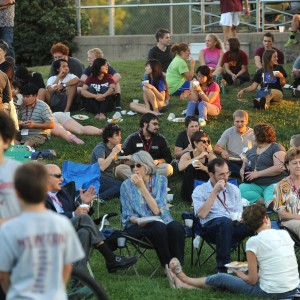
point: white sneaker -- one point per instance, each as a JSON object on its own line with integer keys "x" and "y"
{"x": 202, "y": 122}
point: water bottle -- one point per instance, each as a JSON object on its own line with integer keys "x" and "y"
{"x": 223, "y": 87}
{"x": 248, "y": 168}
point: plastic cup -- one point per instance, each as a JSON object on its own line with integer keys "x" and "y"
{"x": 188, "y": 223}
{"x": 195, "y": 163}
{"x": 170, "y": 198}
{"x": 121, "y": 242}
{"x": 135, "y": 101}
{"x": 123, "y": 112}
{"x": 281, "y": 28}
{"x": 84, "y": 205}
{"x": 171, "y": 117}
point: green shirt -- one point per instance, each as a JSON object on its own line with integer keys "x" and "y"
{"x": 175, "y": 71}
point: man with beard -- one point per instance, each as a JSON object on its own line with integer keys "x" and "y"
{"x": 218, "y": 205}
{"x": 235, "y": 141}
{"x": 147, "y": 139}
{"x": 59, "y": 200}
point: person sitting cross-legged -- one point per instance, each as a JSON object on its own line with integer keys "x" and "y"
{"x": 59, "y": 200}
{"x": 214, "y": 201}
{"x": 270, "y": 258}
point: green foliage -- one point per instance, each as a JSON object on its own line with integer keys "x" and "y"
{"x": 41, "y": 23}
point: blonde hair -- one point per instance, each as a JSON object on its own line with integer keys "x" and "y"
{"x": 217, "y": 40}
{"x": 97, "y": 51}
{"x": 240, "y": 114}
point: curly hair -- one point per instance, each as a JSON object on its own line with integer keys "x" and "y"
{"x": 264, "y": 133}
{"x": 59, "y": 47}
{"x": 216, "y": 39}
{"x": 109, "y": 130}
{"x": 178, "y": 48}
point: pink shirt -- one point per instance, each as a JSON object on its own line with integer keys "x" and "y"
{"x": 211, "y": 57}
{"x": 214, "y": 87}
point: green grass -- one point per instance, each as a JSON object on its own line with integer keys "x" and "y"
{"x": 284, "y": 118}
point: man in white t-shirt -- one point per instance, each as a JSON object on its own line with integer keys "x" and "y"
{"x": 38, "y": 247}
{"x": 234, "y": 141}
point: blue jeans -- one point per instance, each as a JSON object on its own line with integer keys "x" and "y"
{"x": 109, "y": 188}
{"x": 225, "y": 234}
{"x": 239, "y": 286}
{"x": 204, "y": 109}
{"x": 7, "y": 34}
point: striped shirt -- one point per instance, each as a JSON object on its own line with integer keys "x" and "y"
{"x": 39, "y": 114}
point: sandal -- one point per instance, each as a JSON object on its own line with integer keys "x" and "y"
{"x": 175, "y": 266}
{"x": 169, "y": 276}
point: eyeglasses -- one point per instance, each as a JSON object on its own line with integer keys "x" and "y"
{"x": 138, "y": 165}
{"x": 205, "y": 142}
{"x": 155, "y": 123}
{"x": 56, "y": 175}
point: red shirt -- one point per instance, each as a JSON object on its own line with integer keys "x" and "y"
{"x": 101, "y": 86}
{"x": 236, "y": 65}
{"x": 231, "y": 6}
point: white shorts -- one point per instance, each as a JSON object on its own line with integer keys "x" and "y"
{"x": 61, "y": 117}
{"x": 230, "y": 19}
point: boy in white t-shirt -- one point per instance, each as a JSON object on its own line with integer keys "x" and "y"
{"x": 38, "y": 247}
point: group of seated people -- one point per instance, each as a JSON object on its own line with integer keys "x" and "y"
{"x": 137, "y": 171}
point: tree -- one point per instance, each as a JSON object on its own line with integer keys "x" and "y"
{"x": 41, "y": 23}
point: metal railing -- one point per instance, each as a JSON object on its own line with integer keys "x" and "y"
{"x": 201, "y": 15}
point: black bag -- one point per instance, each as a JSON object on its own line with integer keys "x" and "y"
{"x": 58, "y": 101}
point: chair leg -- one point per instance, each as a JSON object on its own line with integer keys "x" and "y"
{"x": 90, "y": 270}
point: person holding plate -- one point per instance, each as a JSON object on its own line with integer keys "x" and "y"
{"x": 144, "y": 195}
{"x": 272, "y": 264}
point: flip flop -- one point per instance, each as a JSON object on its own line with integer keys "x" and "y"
{"x": 175, "y": 266}
{"x": 170, "y": 279}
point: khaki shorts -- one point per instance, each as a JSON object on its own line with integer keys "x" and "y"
{"x": 61, "y": 117}
{"x": 38, "y": 139}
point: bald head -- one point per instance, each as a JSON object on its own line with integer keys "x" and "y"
{"x": 55, "y": 178}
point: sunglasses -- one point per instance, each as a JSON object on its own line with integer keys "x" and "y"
{"x": 56, "y": 175}
{"x": 205, "y": 142}
{"x": 135, "y": 166}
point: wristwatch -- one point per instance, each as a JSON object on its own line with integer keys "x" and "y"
{"x": 200, "y": 93}
{"x": 64, "y": 85}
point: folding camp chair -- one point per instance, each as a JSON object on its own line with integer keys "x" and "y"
{"x": 20, "y": 153}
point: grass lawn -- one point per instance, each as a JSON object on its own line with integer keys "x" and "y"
{"x": 284, "y": 118}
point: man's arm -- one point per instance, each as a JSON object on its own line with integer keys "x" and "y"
{"x": 67, "y": 270}
{"x": 5, "y": 281}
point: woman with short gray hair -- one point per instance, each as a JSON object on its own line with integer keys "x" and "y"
{"x": 144, "y": 195}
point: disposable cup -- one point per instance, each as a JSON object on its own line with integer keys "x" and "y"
{"x": 170, "y": 197}
{"x": 188, "y": 223}
{"x": 281, "y": 28}
{"x": 135, "y": 101}
{"x": 121, "y": 242}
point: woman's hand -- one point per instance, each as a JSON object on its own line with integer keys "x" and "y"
{"x": 203, "y": 154}
{"x": 137, "y": 180}
{"x": 234, "y": 77}
{"x": 116, "y": 149}
{"x": 278, "y": 74}
{"x": 99, "y": 97}
{"x": 252, "y": 175}
{"x": 149, "y": 86}
{"x": 240, "y": 93}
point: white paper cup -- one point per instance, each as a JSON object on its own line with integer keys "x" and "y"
{"x": 144, "y": 82}
{"x": 135, "y": 101}
{"x": 188, "y": 223}
{"x": 84, "y": 205}
{"x": 196, "y": 83}
{"x": 121, "y": 242}
{"x": 117, "y": 115}
{"x": 234, "y": 216}
{"x": 195, "y": 163}
{"x": 171, "y": 117}
{"x": 281, "y": 28}
{"x": 275, "y": 72}
{"x": 123, "y": 112}
{"x": 170, "y": 197}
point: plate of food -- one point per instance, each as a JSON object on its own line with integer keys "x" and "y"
{"x": 149, "y": 219}
{"x": 80, "y": 117}
{"x": 115, "y": 120}
{"x": 238, "y": 265}
{"x": 178, "y": 120}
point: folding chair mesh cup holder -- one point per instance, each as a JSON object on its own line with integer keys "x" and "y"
{"x": 197, "y": 230}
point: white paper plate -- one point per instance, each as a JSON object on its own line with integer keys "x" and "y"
{"x": 241, "y": 267}
{"x": 131, "y": 113}
{"x": 80, "y": 117}
{"x": 178, "y": 120}
{"x": 287, "y": 86}
{"x": 111, "y": 121}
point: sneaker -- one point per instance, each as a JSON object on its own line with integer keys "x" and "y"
{"x": 237, "y": 82}
{"x": 297, "y": 93}
{"x": 256, "y": 103}
{"x": 290, "y": 42}
{"x": 121, "y": 263}
{"x": 202, "y": 122}
{"x": 263, "y": 103}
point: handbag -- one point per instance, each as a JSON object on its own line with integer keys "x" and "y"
{"x": 58, "y": 101}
